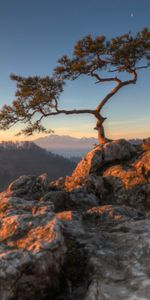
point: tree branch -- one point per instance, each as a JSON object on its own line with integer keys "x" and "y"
{"x": 142, "y": 67}
{"x": 104, "y": 79}
{"x": 71, "y": 112}
{"x": 117, "y": 88}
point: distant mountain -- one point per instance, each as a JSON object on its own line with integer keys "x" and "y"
{"x": 70, "y": 146}
{"x": 24, "y": 158}
{"x": 66, "y": 145}
{"x": 65, "y": 141}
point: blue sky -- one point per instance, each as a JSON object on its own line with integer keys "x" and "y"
{"x": 35, "y": 33}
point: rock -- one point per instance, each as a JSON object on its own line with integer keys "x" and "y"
{"x": 29, "y": 186}
{"x": 96, "y": 185}
{"x": 121, "y": 266}
{"x": 32, "y": 249}
{"x": 115, "y": 173}
{"x": 82, "y": 200}
{"x": 57, "y": 184}
{"x": 97, "y": 159}
{"x": 85, "y": 237}
{"x": 75, "y": 200}
{"x": 60, "y": 200}
{"x": 146, "y": 144}
{"x": 113, "y": 213}
{"x": 142, "y": 166}
{"x": 118, "y": 150}
{"x": 107, "y": 258}
{"x": 130, "y": 183}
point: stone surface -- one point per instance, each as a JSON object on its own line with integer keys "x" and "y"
{"x": 120, "y": 267}
{"x": 28, "y": 186}
{"x": 32, "y": 249}
{"x": 97, "y": 159}
{"x": 130, "y": 183}
{"x": 115, "y": 213}
{"x": 60, "y": 200}
{"x": 115, "y": 173}
{"x": 57, "y": 184}
{"x": 108, "y": 255}
{"x": 83, "y": 238}
{"x": 75, "y": 200}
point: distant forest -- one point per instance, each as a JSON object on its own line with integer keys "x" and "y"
{"x": 26, "y": 158}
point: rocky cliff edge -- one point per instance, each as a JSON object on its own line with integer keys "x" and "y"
{"x": 83, "y": 237}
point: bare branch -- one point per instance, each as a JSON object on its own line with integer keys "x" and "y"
{"x": 117, "y": 88}
{"x": 142, "y": 67}
{"x": 100, "y": 79}
{"x": 71, "y": 112}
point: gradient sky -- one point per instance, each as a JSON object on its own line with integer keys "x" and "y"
{"x": 35, "y": 33}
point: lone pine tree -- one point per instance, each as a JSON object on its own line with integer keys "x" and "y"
{"x": 105, "y": 60}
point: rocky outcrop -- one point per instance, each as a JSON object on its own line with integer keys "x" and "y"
{"x": 130, "y": 182}
{"x": 28, "y": 186}
{"x": 97, "y": 159}
{"x": 117, "y": 173}
{"x": 76, "y": 200}
{"x": 119, "y": 266}
{"x": 32, "y": 249}
{"x": 108, "y": 254}
{"x": 85, "y": 237}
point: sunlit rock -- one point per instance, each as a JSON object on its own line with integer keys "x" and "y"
{"x": 86, "y": 237}
{"x": 29, "y": 186}
{"x": 32, "y": 249}
{"x": 97, "y": 159}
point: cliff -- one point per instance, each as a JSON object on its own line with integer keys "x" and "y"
{"x": 82, "y": 237}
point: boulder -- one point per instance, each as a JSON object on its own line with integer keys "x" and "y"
{"x": 96, "y": 185}
{"x": 57, "y": 184}
{"x": 146, "y": 144}
{"x": 113, "y": 213}
{"x": 97, "y": 159}
{"x": 32, "y": 249}
{"x": 108, "y": 254}
{"x": 28, "y": 186}
{"x": 60, "y": 200}
{"x": 130, "y": 183}
{"x": 82, "y": 200}
{"x": 120, "y": 264}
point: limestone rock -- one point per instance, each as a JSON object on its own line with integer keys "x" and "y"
{"x": 146, "y": 144}
{"x": 57, "y": 184}
{"x": 82, "y": 200}
{"x": 32, "y": 249}
{"x": 130, "y": 183}
{"x": 96, "y": 185}
{"x": 118, "y": 150}
{"x": 113, "y": 213}
{"x": 121, "y": 266}
{"x": 97, "y": 159}
{"x": 29, "y": 186}
{"x": 60, "y": 200}
{"x": 59, "y": 240}
{"x": 108, "y": 255}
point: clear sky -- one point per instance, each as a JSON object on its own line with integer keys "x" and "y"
{"x": 35, "y": 33}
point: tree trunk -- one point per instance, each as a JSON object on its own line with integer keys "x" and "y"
{"x": 101, "y": 135}
{"x": 101, "y": 132}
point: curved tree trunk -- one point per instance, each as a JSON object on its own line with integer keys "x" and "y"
{"x": 101, "y": 132}
{"x": 101, "y": 135}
